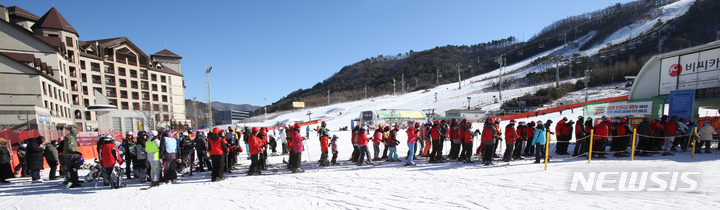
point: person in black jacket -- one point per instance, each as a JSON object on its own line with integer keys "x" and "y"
{"x": 34, "y": 158}
{"x": 5, "y": 165}
{"x": 645, "y": 132}
{"x": 201, "y": 148}
{"x": 522, "y": 132}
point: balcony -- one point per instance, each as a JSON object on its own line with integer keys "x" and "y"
{"x": 143, "y": 76}
{"x": 97, "y": 81}
{"x": 125, "y": 107}
{"x": 132, "y": 62}
{"x": 135, "y": 96}
{"x": 123, "y": 84}
{"x": 121, "y": 60}
{"x": 155, "y": 88}
{"x": 109, "y": 70}
{"x": 108, "y": 58}
{"x": 85, "y": 92}
{"x": 95, "y": 68}
{"x": 112, "y": 95}
{"x": 110, "y": 83}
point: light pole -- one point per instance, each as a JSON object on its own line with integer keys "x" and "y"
{"x": 195, "y": 110}
{"x": 503, "y": 62}
{"x": 265, "y": 106}
{"x": 328, "y": 97}
{"x": 557, "y": 73}
{"x": 459, "y": 82}
{"x": 308, "y": 114}
{"x": 393, "y": 86}
{"x": 586, "y": 80}
{"x": 207, "y": 81}
{"x": 435, "y": 97}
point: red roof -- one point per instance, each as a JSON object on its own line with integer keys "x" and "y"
{"x": 14, "y": 10}
{"x": 53, "y": 19}
{"x": 166, "y": 53}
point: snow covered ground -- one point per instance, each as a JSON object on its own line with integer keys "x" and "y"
{"x": 517, "y": 185}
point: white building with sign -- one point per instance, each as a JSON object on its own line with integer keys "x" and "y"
{"x": 696, "y": 68}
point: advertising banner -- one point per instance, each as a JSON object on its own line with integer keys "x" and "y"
{"x": 298, "y": 104}
{"x": 691, "y": 71}
{"x": 635, "y": 109}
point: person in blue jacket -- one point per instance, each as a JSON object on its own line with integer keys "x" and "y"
{"x": 539, "y": 141}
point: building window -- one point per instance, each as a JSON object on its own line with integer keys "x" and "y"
{"x": 117, "y": 124}
{"x": 133, "y": 73}
{"x": 88, "y": 115}
{"x": 82, "y": 64}
{"x": 134, "y": 84}
{"x": 154, "y": 87}
{"x": 153, "y": 77}
{"x": 69, "y": 41}
{"x": 123, "y": 82}
{"x": 128, "y": 124}
{"x": 155, "y": 97}
{"x": 136, "y": 106}
{"x": 87, "y": 102}
{"x": 163, "y": 88}
{"x": 121, "y": 71}
{"x": 135, "y": 95}
{"x": 44, "y": 89}
{"x": 123, "y": 94}
{"x": 162, "y": 78}
{"x": 124, "y": 105}
{"x": 94, "y": 66}
{"x": 164, "y": 98}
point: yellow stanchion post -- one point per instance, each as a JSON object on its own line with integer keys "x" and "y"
{"x": 140, "y": 128}
{"x": 632, "y": 154}
{"x": 547, "y": 148}
{"x": 694, "y": 143}
{"x": 592, "y": 134}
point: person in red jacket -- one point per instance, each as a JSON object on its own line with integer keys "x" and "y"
{"x": 255, "y": 148}
{"x": 602, "y": 132}
{"x": 412, "y": 135}
{"x": 454, "y": 140}
{"x": 670, "y": 130}
{"x": 362, "y": 141}
{"x": 511, "y": 136}
{"x": 529, "y": 136}
{"x": 466, "y": 136}
{"x": 564, "y": 135}
{"x": 377, "y": 138}
{"x": 109, "y": 155}
{"x": 217, "y": 155}
{"x": 488, "y": 136}
{"x": 435, "y": 139}
{"x": 262, "y": 156}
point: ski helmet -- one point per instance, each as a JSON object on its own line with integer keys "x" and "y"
{"x": 490, "y": 121}
{"x": 79, "y": 161}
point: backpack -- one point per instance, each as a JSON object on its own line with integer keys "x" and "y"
{"x": 187, "y": 143}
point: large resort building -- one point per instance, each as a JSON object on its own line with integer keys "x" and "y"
{"x": 51, "y": 79}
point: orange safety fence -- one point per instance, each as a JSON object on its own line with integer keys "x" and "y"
{"x": 557, "y": 109}
{"x": 86, "y": 141}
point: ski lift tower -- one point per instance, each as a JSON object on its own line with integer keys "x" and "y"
{"x": 586, "y": 80}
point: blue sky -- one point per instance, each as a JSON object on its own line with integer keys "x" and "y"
{"x": 267, "y": 49}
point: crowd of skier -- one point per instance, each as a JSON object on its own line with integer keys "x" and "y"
{"x": 159, "y": 156}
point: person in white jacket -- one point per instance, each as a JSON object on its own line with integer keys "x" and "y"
{"x": 283, "y": 140}
{"x": 706, "y": 136}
